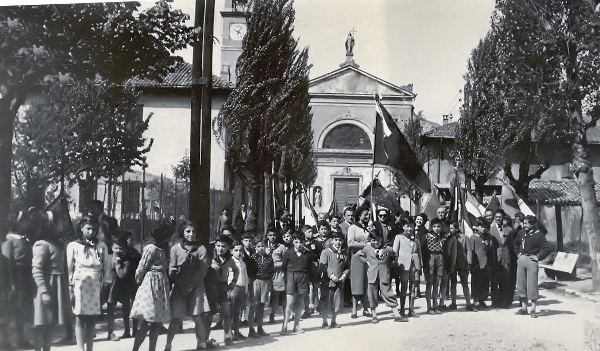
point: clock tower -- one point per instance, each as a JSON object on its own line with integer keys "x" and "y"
{"x": 234, "y": 30}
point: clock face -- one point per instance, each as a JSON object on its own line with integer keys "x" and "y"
{"x": 237, "y": 31}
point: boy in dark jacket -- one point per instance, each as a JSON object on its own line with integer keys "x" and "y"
{"x": 335, "y": 267}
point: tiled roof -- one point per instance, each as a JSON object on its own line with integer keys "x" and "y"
{"x": 180, "y": 78}
{"x": 447, "y": 131}
{"x": 557, "y": 192}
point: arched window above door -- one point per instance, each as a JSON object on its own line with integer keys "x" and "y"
{"x": 347, "y": 136}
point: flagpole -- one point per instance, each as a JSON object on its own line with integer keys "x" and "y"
{"x": 377, "y": 97}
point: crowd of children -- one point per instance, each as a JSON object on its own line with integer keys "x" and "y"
{"x": 302, "y": 270}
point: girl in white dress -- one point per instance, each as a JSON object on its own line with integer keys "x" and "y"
{"x": 89, "y": 266}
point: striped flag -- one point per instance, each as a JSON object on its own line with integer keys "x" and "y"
{"x": 512, "y": 203}
{"x": 471, "y": 210}
{"x": 432, "y": 204}
{"x": 309, "y": 205}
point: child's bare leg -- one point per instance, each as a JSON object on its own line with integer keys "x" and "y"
{"x": 80, "y": 332}
{"x": 289, "y": 307}
{"x": 428, "y": 287}
{"x": 226, "y": 317}
{"x": 153, "y": 337}
{"x": 200, "y": 332}
{"x": 140, "y": 335}
{"x": 434, "y": 294}
{"x": 298, "y": 310}
{"x": 172, "y": 331}
{"x": 90, "y": 327}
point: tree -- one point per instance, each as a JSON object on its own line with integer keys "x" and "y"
{"x": 44, "y": 42}
{"x": 571, "y": 28}
{"x": 476, "y": 152}
{"x": 273, "y": 131}
{"x": 83, "y": 126}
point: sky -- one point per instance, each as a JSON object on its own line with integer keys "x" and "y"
{"x": 422, "y": 42}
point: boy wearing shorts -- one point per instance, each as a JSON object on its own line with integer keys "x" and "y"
{"x": 408, "y": 257}
{"x": 297, "y": 263}
{"x": 434, "y": 269}
{"x": 227, "y": 275}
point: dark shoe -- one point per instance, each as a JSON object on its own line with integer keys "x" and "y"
{"x": 238, "y": 336}
{"x": 482, "y": 305}
{"x": 244, "y": 323}
{"x": 271, "y": 320}
{"x": 252, "y": 333}
{"x": 534, "y": 315}
{"x": 217, "y": 326}
{"x": 67, "y": 341}
{"x": 283, "y": 331}
{"x": 437, "y": 311}
{"x": 298, "y": 330}
{"x": 305, "y": 315}
{"x": 431, "y": 312}
{"x": 24, "y": 344}
{"x": 200, "y": 348}
{"x": 228, "y": 341}
{"x": 212, "y": 344}
{"x": 125, "y": 335}
{"x": 334, "y": 325}
{"x": 413, "y": 314}
{"x": 521, "y": 312}
{"x": 311, "y": 310}
{"x": 452, "y": 307}
{"x": 400, "y": 319}
{"x": 375, "y": 320}
{"x": 261, "y": 332}
{"x": 324, "y": 325}
{"x": 353, "y": 316}
{"x": 366, "y": 313}
{"x": 113, "y": 337}
{"x": 471, "y": 308}
{"x": 442, "y": 308}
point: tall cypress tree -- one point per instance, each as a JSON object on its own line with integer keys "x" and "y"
{"x": 267, "y": 115}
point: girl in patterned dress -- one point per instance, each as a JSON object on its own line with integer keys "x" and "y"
{"x": 151, "y": 305}
{"x": 49, "y": 269}
{"x": 187, "y": 269}
{"x": 89, "y": 266}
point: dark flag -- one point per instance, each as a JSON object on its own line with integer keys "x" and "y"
{"x": 378, "y": 195}
{"x": 333, "y": 208}
{"x": 494, "y": 204}
{"x": 393, "y": 150}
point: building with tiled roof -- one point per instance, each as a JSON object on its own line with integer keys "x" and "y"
{"x": 557, "y": 192}
{"x": 180, "y": 78}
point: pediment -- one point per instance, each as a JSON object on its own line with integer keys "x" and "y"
{"x": 350, "y": 80}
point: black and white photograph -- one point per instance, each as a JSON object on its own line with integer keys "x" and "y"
{"x": 299, "y": 175}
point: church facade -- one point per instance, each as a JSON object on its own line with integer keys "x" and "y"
{"x": 343, "y": 108}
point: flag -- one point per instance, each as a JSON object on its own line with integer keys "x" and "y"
{"x": 494, "y": 204}
{"x": 393, "y": 150}
{"x": 512, "y": 203}
{"x": 471, "y": 209}
{"x": 278, "y": 192}
{"x": 308, "y": 205}
{"x": 378, "y": 195}
{"x": 433, "y": 204}
{"x": 333, "y": 208}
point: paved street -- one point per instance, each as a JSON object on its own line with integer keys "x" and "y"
{"x": 560, "y": 327}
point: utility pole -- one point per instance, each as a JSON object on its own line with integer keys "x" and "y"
{"x": 200, "y": 135}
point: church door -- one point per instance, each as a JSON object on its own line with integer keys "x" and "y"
{"x": 346, "y": 191}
